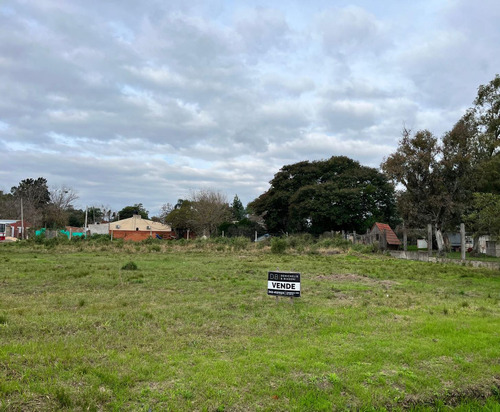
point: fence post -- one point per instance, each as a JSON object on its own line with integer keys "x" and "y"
{"x": 462, "y": 241}
{"x": 354, "y": 237}
{"x": 405, "y": 239}
{"x": 429, "y": 239}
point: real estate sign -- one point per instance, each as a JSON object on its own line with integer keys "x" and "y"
{"x": 283, "y": 284}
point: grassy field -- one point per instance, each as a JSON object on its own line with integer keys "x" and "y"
{"x": 192, "y": 328}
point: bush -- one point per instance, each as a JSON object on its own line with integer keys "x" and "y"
{"x": 130, "y": 266}
{"x": 239, "y": 243}
{"x": 300, "y": 241}
{"x": 100, "y": 238}
{"x": 278, "y": 245}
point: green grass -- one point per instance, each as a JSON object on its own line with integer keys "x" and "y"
{"x": 193, "y": 329}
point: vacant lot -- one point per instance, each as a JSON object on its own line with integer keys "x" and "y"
{"x": 193, "y": 329}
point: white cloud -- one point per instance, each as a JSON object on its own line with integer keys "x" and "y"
{"x": 141, "y": 102}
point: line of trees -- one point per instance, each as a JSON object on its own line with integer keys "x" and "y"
{"x": 42, "y": 206}
{"x": 208, "y": 213}
{"x": 443, "y": 181}
{"x": 456, "y": 178}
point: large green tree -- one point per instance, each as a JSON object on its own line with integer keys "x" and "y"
{"x": 180, "y": 217}
{"x": 136, "y": 209}
{"x": 237, "y": 209}
{"x": 35, "y": 197}
{"x": 319, "y": 196}
{"x": 440, "y": 177}
{"x": 484, "y": 215}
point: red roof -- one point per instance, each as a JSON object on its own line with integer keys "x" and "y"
{"x": 391, "y": 237}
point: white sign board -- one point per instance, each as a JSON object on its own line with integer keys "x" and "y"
{"x": 283, "y": 284}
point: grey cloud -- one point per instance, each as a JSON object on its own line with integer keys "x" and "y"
{"x": 129, "y": 102}
{"x": 263, "y": 29}
{"x": 351, "y": 30}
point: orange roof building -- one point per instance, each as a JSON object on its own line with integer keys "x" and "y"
{"x": 378, "y": 230}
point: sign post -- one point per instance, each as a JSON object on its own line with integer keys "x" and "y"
{"x": 285, "y": 284}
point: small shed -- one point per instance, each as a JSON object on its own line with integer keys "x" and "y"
{"x": 385, "y": 236}
{"x": 493, "y": 248}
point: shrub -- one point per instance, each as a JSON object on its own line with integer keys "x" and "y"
{"x": 278, "y": 245}
{"x": 300, "y": 241}
{"x": 130, "y": 266}
{"x": 239, "y": 243}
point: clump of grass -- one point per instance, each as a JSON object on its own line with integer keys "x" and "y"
{"x": 278, "y": 245}
{"x": 129, "y": 266}
{"x": 63, "y": 398}
{"x": 81, "y": 302}
{"x": 3, "y": 319}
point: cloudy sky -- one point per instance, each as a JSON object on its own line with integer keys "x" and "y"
{"x": 145, "y": 101}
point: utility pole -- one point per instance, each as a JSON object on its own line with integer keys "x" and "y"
{"x": 22, "y": 220}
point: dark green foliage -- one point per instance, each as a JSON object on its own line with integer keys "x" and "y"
{"x": 319, "y": 196}
{"x": 278, "y": 245}
{"x": 181, "y": 217}
{"x": 130, "y": 266}
{"x": 76, "y": 217}
{"x": 440, "y": 177}
{"x": 237, "y": 209}
{"x": 129, "y": 211}
{"x": 35, "y": 196}
{"x": 244, "y": 227}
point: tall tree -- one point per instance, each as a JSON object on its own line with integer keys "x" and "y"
{"x": 35, "y": 197}
{"x": 484, "y": 215}
{"x": 320, "y": 196}
{"x": 61, "y": 199}
{"x": 210, "y": 209}
{"x": 165, "y": 210}
{"x": 487, "y": 114}
{"x": 180, "y": 218}
{"x": 8, "y": 207}
{"x": 237, "y": 209}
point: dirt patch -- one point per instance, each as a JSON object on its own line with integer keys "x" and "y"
{"x": 352, "y": 277}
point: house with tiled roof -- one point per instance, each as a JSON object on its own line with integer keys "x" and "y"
{"x": 385, "y": 236}
{"x": 136, "y": 228}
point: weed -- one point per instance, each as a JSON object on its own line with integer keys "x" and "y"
{"x": 334, "y": 379}
{"x": 63, "y": 398}
{"x": 129, "y": 266}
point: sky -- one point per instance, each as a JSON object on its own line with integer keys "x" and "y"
{"x": 146, "y": 102}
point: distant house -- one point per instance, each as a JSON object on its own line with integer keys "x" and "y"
{"x": 13, "y": 228}
{"x": 385, "y": 236}
{"x": 136, "y": 228}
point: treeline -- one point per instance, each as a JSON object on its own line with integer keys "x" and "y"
{"x": 443, "y": 182}
{"x": 455, "y": 178}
